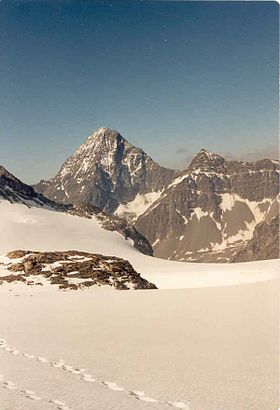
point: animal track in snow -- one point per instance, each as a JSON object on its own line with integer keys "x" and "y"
{"x": 30, "y": 394}
{"x": 42, "y": 359}
{"x": 113, "y": 386}
{"x": 140, "y": 395}
{"x": 86, "y": 377}
{"x": 9, "y": 385}
{"x": 59, "y": 405}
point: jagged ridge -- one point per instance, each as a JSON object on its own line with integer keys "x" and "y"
{"x": 212, "y": 206}
{"x": 14, "y": 190}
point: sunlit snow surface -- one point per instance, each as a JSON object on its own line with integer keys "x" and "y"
{"x": 138, "y": 206}
{"x": 210, "y": 348}
{"x": 43, "y": 230}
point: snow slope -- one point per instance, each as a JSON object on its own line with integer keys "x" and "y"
{"x": 210, "y": 348}
{"x": 43, "y": 230}
{"x": 133, "y": 209}
{"x": 192, "y": 349}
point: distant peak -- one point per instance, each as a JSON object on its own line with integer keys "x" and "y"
{"x": 104, "y": 131}
{"x": 208, "y": 153}
{"x": 206, "y": 160}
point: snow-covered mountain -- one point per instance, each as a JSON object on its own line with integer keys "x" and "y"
{"x": 106, "y": 171}
{"x": 212, "y": 209}
{"x": 47, "y": 230}
{"x": 36, "y": 227}
{"x": 205, "y": 213}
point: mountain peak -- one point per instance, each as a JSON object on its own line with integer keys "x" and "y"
{"x": 103, "y": 129}
{"x": 207, "y": 161}
{"x": 106, "y": 170}
{"x": 208, "y": 153}
{"x": 104, "y": 133}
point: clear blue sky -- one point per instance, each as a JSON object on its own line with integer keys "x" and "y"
{"x": 172, "y": 77}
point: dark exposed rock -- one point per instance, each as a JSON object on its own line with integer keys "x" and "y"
{"x": 16, "y": 254}
{"x": 263, "y": 245}
{"x": 74, "y": 270}
{"x": 12, "y": 278}
{"x": 13, "y": 190}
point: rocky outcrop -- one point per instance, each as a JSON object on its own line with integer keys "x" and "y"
{"x": 105, "y": 172}
{"x": 71, "y": 270}
{"x": 263, "y": 245}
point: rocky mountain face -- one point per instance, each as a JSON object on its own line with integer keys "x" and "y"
{"x": 70, "y": 270}
{"x": 205, "y": 213}
{"x": 15, "y": 191}
{"x": 106, "y": 171}
{"x": 264, "y": 243}
{"x": 211, "y": 209}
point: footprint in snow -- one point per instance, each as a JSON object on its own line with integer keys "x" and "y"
{"x": 140, "y": 395}
{"x": 31, "y": 395}
{"x": 59, "y": 364}
{"x": 60, "y": 405}
{"x": 9, "y": 385}
{"x": 42, "y": 359}
{"x": 88, "y": 378}
{"x": 76, "y": 371}
{"x": 113, "y": 386}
